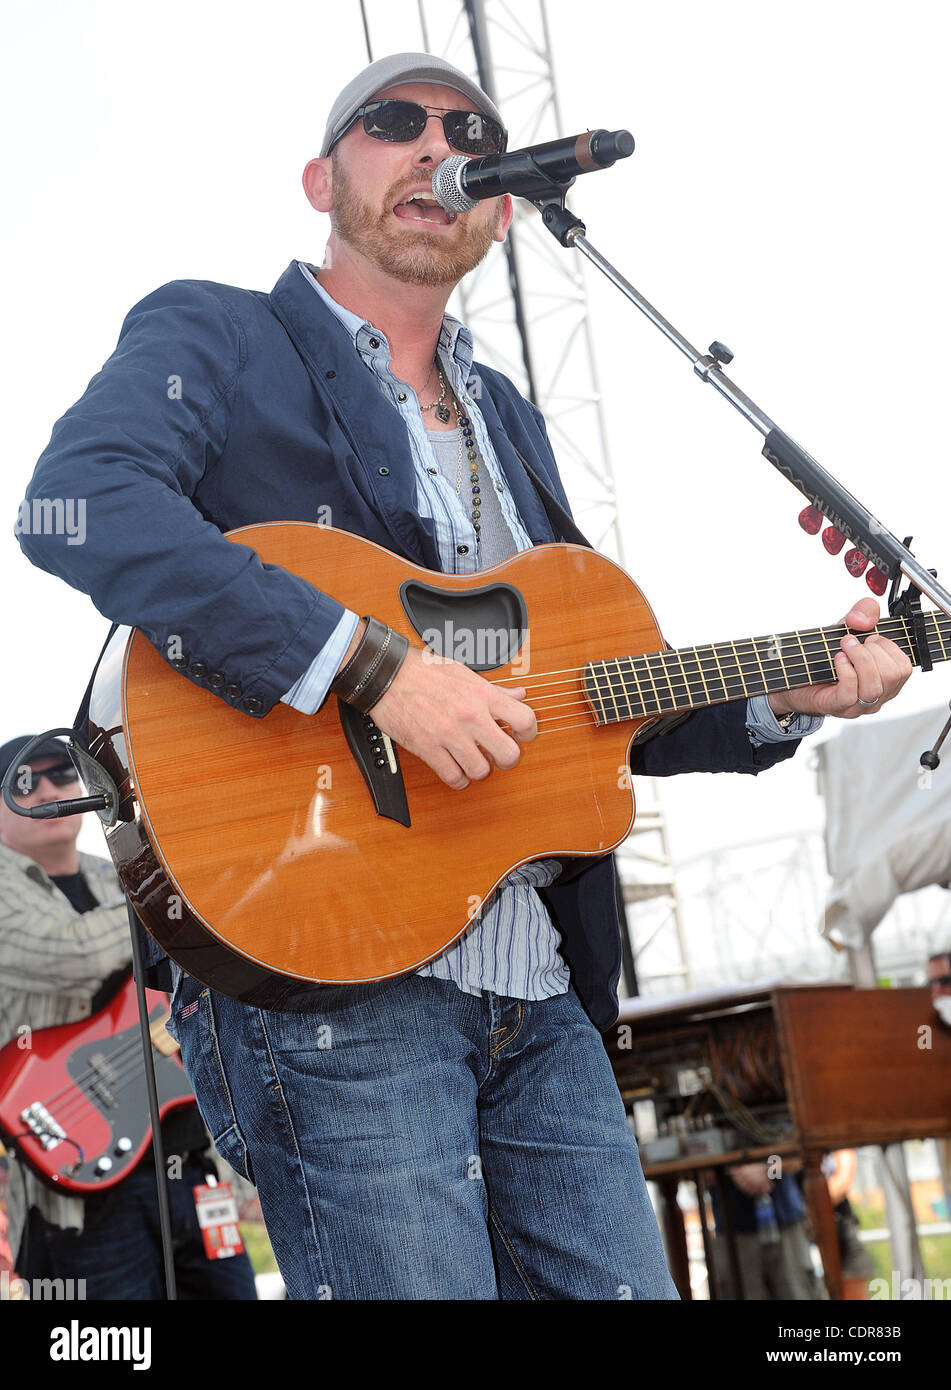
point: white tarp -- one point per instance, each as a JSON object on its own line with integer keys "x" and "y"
{"x": 888, "y": 820}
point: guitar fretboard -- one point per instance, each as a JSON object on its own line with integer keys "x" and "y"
{"x": 632, "y": 687}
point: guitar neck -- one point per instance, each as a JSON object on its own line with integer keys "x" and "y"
{"x": 667, "y": 682}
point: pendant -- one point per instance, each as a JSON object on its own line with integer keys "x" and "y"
{"x": 443, "y": 414}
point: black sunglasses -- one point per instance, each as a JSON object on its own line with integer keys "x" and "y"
{"x": 28, "y": 778}
{"x": 399, "y": 122}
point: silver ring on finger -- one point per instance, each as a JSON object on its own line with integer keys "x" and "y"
{"x": 869, "y": 704}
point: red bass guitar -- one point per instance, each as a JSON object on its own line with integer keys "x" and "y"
{"x": 73, "y": 1100}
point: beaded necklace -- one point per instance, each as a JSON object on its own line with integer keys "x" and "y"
{"x": 467, "y": 449}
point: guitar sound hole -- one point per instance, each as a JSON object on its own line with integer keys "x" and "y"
{"x": 481, "y": 628}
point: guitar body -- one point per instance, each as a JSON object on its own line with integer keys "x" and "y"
{"x": 69, "y": 1098}
{"x": 254, "y": 851}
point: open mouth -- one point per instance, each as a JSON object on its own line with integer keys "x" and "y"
{"x": 419, "y": 208}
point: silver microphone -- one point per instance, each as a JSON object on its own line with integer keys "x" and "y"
{"x": 447, "y": 185}
{"x": 459, "y": 183}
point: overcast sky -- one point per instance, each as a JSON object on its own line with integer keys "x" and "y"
{"x": 788, "y": 195}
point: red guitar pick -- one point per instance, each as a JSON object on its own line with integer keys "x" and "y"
{"x": 877, "y": 581}
{"x": 833, "y": 539}
{"x": 810, "y": 519}
{"x": 855, "y": 562}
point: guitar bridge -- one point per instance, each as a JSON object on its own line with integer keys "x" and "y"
{"x": 41, "y": 1124}
{"x": 376, "y": 756}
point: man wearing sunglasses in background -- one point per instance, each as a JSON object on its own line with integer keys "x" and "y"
{"x": 461, "y": 1135}
{"x": 64, "y": 953}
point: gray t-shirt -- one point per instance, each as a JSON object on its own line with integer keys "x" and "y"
{"x": 496, "y": 540}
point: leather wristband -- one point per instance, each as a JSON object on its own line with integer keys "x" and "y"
{"x": 372, "y": 669}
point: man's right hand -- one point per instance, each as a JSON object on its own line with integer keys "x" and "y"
{"x": 449, "y": 717}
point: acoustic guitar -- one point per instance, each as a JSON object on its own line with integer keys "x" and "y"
{"x": 267, "y": 856}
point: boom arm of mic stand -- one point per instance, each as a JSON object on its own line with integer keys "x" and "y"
{"x": 854, "y": 520}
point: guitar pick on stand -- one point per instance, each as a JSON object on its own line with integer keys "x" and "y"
{"x": 811, "y": 519}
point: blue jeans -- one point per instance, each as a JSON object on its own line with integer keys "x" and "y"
{"x": 429, "y": 1144}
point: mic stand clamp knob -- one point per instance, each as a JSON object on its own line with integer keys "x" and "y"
{"x": 717, "y": 355}
{"x": 563, "y": 224}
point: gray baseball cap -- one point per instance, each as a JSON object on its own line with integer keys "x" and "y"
{"x": 399, "y": 68}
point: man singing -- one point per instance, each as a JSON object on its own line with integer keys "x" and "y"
{"x": 463, "y": 1136}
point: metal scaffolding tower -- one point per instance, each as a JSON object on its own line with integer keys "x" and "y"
{"x": 527, "y": 309}
{"x": 528, "y": 312}
{"x": 651, "y": 901}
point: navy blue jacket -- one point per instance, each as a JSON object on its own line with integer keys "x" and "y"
{"x": 222, "y": 407}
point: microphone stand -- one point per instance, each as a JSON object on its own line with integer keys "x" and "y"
{"x": 889, "y": 555}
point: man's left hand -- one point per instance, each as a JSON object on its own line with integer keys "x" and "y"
{"x": 870, "y": 673}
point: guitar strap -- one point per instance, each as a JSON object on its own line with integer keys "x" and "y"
{"x": 81, "y": 722}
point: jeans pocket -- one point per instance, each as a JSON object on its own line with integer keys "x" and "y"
{"x": 234, "y": 1151}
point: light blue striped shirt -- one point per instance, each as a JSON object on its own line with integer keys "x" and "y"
{"x": 512, "y": 946}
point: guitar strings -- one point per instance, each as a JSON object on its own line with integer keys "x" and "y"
{"x": 623, "y": 702}
{"x": 817, "y": 641}
{"x": 66, "y": 1097}
{"x": 754, "y": 660}
{"x": 71, "y": 1100}
{"x": 644, "y": 684}
{"x": 90, "y": 1073}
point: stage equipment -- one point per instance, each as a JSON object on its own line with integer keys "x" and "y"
{"x": 778, "y": 1073}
